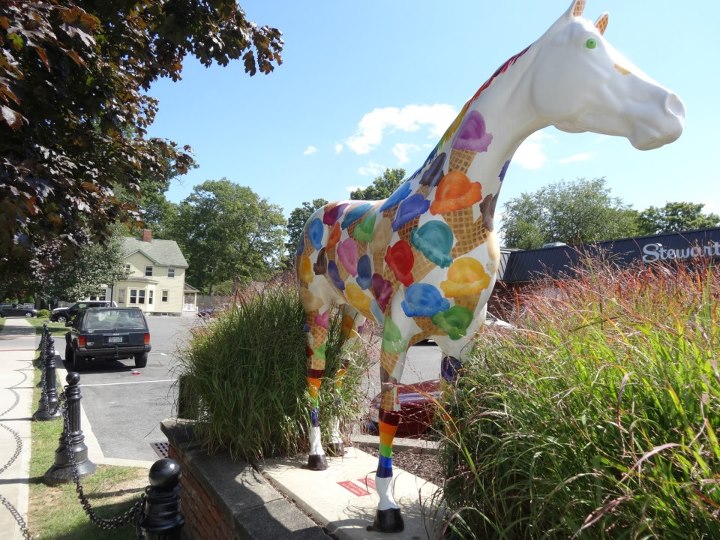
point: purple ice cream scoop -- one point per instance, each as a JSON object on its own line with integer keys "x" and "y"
{"x": 472, "y": 135}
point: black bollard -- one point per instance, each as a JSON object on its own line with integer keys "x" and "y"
{"x": 71, "y": 455}
{"x": 163, "y": 520}
{"x": 48, "y": 406}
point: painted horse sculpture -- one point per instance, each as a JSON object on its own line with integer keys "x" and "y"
{"x": 423, "y": 262}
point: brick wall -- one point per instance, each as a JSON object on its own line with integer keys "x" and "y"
{"x": 203, "y": 519}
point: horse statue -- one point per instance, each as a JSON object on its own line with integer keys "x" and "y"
{"x": 422, "y": 263}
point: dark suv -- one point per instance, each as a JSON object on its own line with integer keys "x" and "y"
{"x": 107, "y": 334}
{"x": 66, "y": 313}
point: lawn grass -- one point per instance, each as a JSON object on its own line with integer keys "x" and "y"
{"x": 55, "y": 512}
{"x": 56, "y": 328}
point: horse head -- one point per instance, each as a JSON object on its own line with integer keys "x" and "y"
{"x": 582, "y": 83}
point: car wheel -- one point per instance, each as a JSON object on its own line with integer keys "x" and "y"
{"x": 28, "y": 314}
{"x": 141, "y": 360}
{"x": 61, "y": 318}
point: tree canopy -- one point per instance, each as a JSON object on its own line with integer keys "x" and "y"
{"x": 74, "y": 111}
{"x": 572, "y": 212}
{"x": 675, "y": 217}
{"x": 382, "y": 187}
{"x": 228, "y": 233}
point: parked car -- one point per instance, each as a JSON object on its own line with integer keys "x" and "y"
{"x": 418, "y": 401}
{"x": 107, "y": 333}
{"x": 64, "y": 314}
{"x": 17, "y": 310}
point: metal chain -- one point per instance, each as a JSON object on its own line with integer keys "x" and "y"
{"x": 135, "y": 512}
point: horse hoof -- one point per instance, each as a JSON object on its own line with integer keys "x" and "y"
{"x": 389, "y": 521}
{"x": 335, "y": 449}
{"x": 317, "y": 462}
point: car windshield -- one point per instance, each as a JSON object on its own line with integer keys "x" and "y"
{"x": 114, "y": 318}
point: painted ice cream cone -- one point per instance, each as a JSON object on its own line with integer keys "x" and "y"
{"x": 466, "y": 281}
{"x": 460, "y": 160}
{"x": 405, "y": 230}
{"x": 427, "y": 329}
{"x": 432, "y": 242}
{"x": 468, "y": 230}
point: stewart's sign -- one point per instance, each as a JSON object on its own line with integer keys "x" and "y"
{"x": 524, "y": 266}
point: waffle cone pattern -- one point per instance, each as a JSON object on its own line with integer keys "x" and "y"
{"x": 460, "y": 160}
{"x": 469, "y": 302}
{"x": 469, "y": 233}
{"x": 422, "y": 267}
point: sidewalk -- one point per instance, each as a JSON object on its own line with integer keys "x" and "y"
{"x": 17, "y": 351}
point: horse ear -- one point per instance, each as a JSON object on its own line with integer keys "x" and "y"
{"x": 601, "y": 23}
{"x": 577, "y": 8}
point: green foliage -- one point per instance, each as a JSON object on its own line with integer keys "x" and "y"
{"x": 599, "y": 418}
{"x": 296, "y": 223}
{"x": 43, "y": 314}
{"x": 97, "y": 266}
{"x": 382, "y": 187}
{"x": 74, "y": 109}
{"x": 577, "y": 212}
{"x": 228, "y": 233}
{"x": 244, "y": 376}
{"x": 675, "y": 217}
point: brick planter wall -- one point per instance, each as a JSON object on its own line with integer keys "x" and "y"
{"x": 223, "y": 499}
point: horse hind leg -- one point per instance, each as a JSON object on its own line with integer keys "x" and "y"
{"x": 352, "y": 322}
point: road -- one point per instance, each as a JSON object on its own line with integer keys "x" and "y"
{"x": 125, "y": 406}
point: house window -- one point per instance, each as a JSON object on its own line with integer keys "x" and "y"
{"x": 148, "y": 270}
{"x": 150, "y": 296}
{"x": 121, "y": 296}
{"x": 171, "y": 271}
{"x": 127, "y": 269}
{"x": 133, "y": 296}
{"x": 165, "y": 296}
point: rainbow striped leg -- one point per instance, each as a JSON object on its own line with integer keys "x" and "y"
{"x": 388, "y": 517}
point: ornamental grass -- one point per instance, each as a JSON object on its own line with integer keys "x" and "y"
{"x": 598, "y": 417}
{"x": 243, "y": 378}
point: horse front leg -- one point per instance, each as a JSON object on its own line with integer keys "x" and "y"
{"x": 388, "y": 517}
{"x": 316, "y": 338}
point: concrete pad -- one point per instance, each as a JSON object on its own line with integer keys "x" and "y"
{"x": 343, "y": 499}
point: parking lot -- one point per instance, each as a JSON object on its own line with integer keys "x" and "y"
{"x": 125, "y": 405}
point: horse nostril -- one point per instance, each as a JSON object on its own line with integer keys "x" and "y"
{"x": 675, "y": 106}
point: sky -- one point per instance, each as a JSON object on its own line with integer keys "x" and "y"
{"x": 366, "y": 86}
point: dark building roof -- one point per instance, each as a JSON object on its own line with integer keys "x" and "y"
{"x": 522, "y": 266}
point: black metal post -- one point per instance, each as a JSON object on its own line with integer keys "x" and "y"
{"x": 48, "y": 406}
{"x": 71, "y": 457}
{"x": 163, "y": 520}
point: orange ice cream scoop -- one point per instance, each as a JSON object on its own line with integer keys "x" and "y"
{"x": 455, "y": 192}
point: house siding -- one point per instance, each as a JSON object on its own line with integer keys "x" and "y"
{"x": 137, "y": 289}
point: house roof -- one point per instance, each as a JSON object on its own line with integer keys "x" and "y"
{"x": 523, "y": 266}
{"x": 161, "y": 252}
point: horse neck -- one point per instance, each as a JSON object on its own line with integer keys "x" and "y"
{"x": 505, "y": 105}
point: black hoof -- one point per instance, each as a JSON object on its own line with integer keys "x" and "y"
{"x": 335, "y": 449}
{"x": 317, "y": 462}
{"x": 389, "y": 521}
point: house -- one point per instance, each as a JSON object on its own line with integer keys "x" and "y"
{"x": 156, "y": 277}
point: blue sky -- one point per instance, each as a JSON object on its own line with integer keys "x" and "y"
{"x": 374, "y": 84}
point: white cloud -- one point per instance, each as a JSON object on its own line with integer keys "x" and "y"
{"x": 371, "y": 169}
{"x": 530, "y": 154}
{"x": 310, "y": 150}
{"x": 582, "y": 156}
{"x": 373, "y": 125}
{"x": 350, "y": 189}
{"x": 402, "y": 150}
{"x": 338, "y": 148}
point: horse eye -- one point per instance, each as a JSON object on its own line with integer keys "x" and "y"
{"x": 591, "y": 43}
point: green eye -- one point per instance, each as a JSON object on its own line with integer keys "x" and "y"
{"x": 591, "y": 43}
